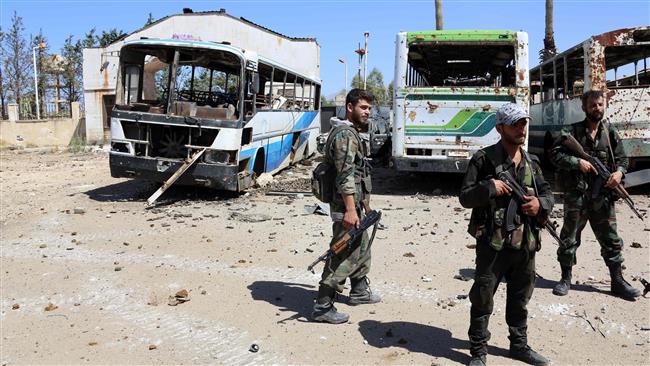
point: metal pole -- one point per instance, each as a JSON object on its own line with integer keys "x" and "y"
{"x": 365, "y": 58}
{"x": 345, "y": 86}
{"x": 38, "y": 108}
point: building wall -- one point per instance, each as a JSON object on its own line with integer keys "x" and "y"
{"x": 41, "y": 133}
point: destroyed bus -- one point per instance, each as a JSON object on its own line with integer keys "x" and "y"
{"x": 448, "y": 87}
{"x": 230, "y": 112}
{"x": 615, "y": 62}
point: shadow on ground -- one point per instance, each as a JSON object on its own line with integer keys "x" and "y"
{"x": 541, "y": 282}
{"x": 419, "y": 338}
{"x": 136, "y": 190}
{"x": 295, "y": 300}
{"x": 388, "y": 181}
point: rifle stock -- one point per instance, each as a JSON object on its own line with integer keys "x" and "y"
{"x": 372, "y": 218}
{"x": 571, "y": 144}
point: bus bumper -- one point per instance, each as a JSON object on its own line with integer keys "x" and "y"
{"x": 224, "y": 177}
{"x": 447, "y": 165}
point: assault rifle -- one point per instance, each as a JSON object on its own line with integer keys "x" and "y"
{"x": 372, "y": 219}
{"x": 576, "y": 149}
{"x": 519, "y": 192}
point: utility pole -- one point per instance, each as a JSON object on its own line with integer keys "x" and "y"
{"x": 439, "y": 20}
{"x": 361, "y": 52}
{"x": 365, "y": 58}
{"x": 38, "y": 107}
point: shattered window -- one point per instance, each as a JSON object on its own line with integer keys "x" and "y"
{"x": 461, "y": 65}
{"x": 207, "y": 81}
{"x": 627, "y": 65}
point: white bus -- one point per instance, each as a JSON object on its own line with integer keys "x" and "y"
{"x": 252, "y": 113}
{"x": 448, "y": 86}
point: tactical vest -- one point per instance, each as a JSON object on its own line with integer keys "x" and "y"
{"x": 500, "y": 237}
{"x": 601, "y": 150}
{"x": 362, "y": 168}
{"x": 491, "y": 227}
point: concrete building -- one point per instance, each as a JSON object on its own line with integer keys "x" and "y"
{"x": 100, "y": 65}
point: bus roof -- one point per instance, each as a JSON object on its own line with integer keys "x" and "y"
{"x": 618, "y": 37}
{"x": 504, "y": 36}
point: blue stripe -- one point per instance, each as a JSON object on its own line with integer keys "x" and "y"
{"x": 305, "y": 121}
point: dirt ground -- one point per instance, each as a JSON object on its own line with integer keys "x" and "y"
{"x": 87, "y": 274}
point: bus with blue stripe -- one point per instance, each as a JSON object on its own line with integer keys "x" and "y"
{"x": 448, "y": 87}
{"x": 252, "y": 114}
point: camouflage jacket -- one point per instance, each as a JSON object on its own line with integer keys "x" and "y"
{"x": 352, "y": 167}
{"x": 479, "y": 193}
{"x": 569, "y": 166}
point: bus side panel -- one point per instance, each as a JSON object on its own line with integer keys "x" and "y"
{"x": 276, "y": 131}
{"x": 548, "y": 119}
{"x": 628, "y": 110}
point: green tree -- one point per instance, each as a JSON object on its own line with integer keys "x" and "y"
{"x": 90, "y": 39}
{"x": 3, "y": 110}
{"x": 110, "y": 36}
{"x": 72, "y": 69}
{"x": 391, "y": 94}
{"x": 16, "y": 60}
{"x": 374, "y": 84}
{"x": 44, "y": 74}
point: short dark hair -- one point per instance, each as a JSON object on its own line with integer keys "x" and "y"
{"x": 357, "y": 94}
{"x": 593, "y": 93}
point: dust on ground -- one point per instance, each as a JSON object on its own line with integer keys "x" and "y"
{"x": 91, "y": 276}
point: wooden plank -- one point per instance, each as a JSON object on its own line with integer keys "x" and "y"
{"x": 175, "y": 176}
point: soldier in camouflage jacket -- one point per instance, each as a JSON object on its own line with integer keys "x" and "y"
{"x": 586, "y": 199}
{"x": 348, "y": 151}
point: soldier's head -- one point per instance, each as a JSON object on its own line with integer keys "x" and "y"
{"x": 593, "y": 104}
{"x": 512, "y": 120}
{"x": 358, "y": 104}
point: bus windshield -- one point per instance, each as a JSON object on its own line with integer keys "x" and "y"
{"x": 461, "y": 64}
{"x": 205, "y": 82}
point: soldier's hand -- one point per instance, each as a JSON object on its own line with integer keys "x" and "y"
{"x": 502, "y": 187}
{"x": 531, "y": 207}
{"x": 350, "y": 219}
{"x": 586, "y": 167}
{"x": 614, "y": 179}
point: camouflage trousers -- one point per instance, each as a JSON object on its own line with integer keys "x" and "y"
{"x": 580, "y": 208}
{"x": 352, "y": 264}
{"x": 518, "y": 268}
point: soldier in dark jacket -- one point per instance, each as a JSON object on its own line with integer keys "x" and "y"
{"x": 348, "y": 150}
{"x": 501, "y": 253}
{"x": 588, "y": 198}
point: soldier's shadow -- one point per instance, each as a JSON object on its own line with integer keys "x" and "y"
{"x": 419, "y": 338}
{"x": 296, "y": 300}
{"x": 541, "y": 282}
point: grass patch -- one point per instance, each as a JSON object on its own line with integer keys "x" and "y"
{"x": 77, "y": 144}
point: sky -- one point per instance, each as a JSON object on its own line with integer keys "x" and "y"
{"x": 339, "y": 25}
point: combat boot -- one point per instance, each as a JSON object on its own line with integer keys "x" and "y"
{"x": 324, "y": 310}
{"x": 564, "y": 285}
{"x": 527, "y": 355}
{"x": 619, "y": 286}
{"x": 361, "y": 293}
{"x": 477, "y": 361}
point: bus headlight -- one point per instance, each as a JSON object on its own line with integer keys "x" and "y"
{"x": 219, "y": 157}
